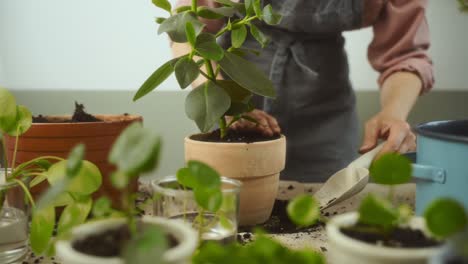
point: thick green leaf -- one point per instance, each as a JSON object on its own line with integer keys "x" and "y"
{"x": 235, "y": 91}
{"x": 164, "y": 4}
{"x": 378, "y": 212}
{"x": 184, "y": 8}
{"x": 445, "y": 217}
{"x": 238, "y": 36}
{"x": 206, "y": 104}
{"x": 237, "y": 109}
{"x": 209, "y": 199}
{"x": 239, "y": 6}
{"x": 259, "y": 36}
{"x": 206, "y": 177}
{"x": 303, "y": 210}
{"x": 185, "y": 177}
{"x": 186, "y": 71}
{"x": 74, "y": 214}
{"x": 119, "y": 179}
{"x": 215, "y": 13}
{"x": 249, "y": 9}
{"x": 270, "y": 16}
{"x": 136, "y": 150}
{"x": 191, "y": 34}
{"x": 247, "y": 75}
{"x": 257, "y": 6}
{"x": 391, "y": 169}
{"x": 174, "y": 26}
{"x": 22, "y": 123}
{"x": 102, "y": 207}
{"x": 41, "y": 228}
{"x": 75, "y": 159}
{"x": 208, "y": 48}
{"x": 8, "y": 110}
{"x": 146, "y": 247}
{"x": 160, "y": 20}
{"x": 159, "y": 76}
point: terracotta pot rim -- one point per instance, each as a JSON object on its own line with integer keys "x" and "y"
{"x": 188, "y": 139}
{"x": 107, "y": 119}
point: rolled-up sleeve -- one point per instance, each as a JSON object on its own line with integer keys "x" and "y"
{"x": 401, "y": 41}
{"x": 212, "y": 25}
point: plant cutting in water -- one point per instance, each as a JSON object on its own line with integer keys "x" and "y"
{"x": 72, "y": 181}
{"x": 444, "y": 217}
{"x": 216, "y": 98}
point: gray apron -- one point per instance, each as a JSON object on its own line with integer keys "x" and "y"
{"x": 315, "y": 104}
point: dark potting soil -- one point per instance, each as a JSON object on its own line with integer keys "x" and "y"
{"x": 234, "y": 136}
{"x": 399, "y": 238}
{"x": 110, "y": 243}
{"x": 279, "y": 222}
{"x": 79, "y": 116}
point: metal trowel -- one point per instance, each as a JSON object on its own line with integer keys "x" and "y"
{"x": 348, "y": 181}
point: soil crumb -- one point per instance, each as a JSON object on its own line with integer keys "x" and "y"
{"x": 234, "y": 136}
{"x": 81, "y": 116}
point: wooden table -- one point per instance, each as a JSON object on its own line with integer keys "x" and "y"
{"x": 316, "y": 240}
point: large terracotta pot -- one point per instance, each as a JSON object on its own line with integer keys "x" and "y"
{"x": 257, "y": 165}
{"x": 57, "y": 139}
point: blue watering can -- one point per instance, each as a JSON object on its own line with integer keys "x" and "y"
{"x": 441, "y": 168}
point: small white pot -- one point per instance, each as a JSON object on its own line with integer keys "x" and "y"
{"x": 180, "y": 254}
{"x": 344, "y": 249}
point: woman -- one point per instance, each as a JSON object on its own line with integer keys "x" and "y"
{"x": 307, "y": 63}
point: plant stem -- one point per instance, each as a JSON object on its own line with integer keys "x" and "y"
{"x": 194, "y": 5}
{"x": 5, "y": 158}
{"x": 15, "y": 150}
{"x": 201, "y": 228}
{"x": 209, "y": 69}
{"x": 222, "y": 127}
{"x": 20, "y": 168}
{"x": 26, "y": 192}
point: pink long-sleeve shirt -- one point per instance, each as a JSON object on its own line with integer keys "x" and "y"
{"x": 401, "y": 37}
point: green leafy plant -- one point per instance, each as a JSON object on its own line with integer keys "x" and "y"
{"x": 72, "y": 181}
{"x": 463, "y": 5}
{"x": 215, "y": 99}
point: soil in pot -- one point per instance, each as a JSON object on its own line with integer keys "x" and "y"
{"x": 399, "y": 238}
{"x": 110, "y": 243}
{"x": 234, "y": 136}
{"x": 79, "y": 116}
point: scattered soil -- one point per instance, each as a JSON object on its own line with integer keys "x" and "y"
{"x": 234, "y": 136}
{"x": 279, "y": 222}
{"x": 110, "y": 243}
{"x": 399, "y": 238}
{"x": 79, "y": 116}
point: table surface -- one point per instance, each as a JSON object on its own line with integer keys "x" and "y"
{"x": 316, "y": 240}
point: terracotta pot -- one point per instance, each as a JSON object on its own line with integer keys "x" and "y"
{"x": 57, "y": 139}
{"x": 257, "y": 165}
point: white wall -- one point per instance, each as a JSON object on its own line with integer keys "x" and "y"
{"x": 113, "y": 44}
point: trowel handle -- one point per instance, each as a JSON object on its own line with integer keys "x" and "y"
{"x": 365, "y": 160}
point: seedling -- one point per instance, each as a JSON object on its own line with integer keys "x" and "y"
{"x": 215, "y": 99}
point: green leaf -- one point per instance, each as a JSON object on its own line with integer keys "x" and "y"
{"x": 206, "y": 177}
{"x": 41, "y": 228}
{"x": 303, "y": 210}
{"x": 119, "y": 179}
{"x": 146, "y": 247}
{"x": 160, "y": 20}
{"x": 136, "y": 150}
{"x": 159, "y": 76}
{"x": 208, "y": 48}
{"x": 206, "y": 104}
{"x": 191, "y": 35}
{"x": 238, "y": 6}
{"x": 75, "y": 159}
{"x": 238, "y": 36}
{"x": 181, "y": 9}
{"x": 186, "y": 71}
{"x": 237, "y": 109}
{"x": 445, "y": 217}
{"x": 174, "y": 26}
{"x": 257, "y": 6}
{"x": 215, "y": 13}
{"x": 235, "y": 91}
{"x": 249, "y": 7}
{"x": 247, "y": 75}
{"x": 185, "y": 177}
{"x": 102, "y": 207}
{"x": 164, "y": 4}
{"x": 378, "y": 212}
{"x": 74, "y": 214}
{"x": 270, "y": 16}
{"x": 209, "y": 199}
{"x": 22, "y": 123}
{"x": 8, "y": 110}
{"x": 391, "y": 169}
{"x": 259, "y": 36}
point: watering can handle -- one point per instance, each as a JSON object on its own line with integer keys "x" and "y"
{"x": 365, "y": 160}
{"x": 429, "y": 173}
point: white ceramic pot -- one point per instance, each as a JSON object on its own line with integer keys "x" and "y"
{"x": 343, "y": 249}
{"x": 180, "y": 254}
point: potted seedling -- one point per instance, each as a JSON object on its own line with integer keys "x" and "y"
{"x": 254, "y": 160}
{"x": 120, "y": 236}
{"x": 382, "y": 232}
{"x": 57, "y": 134}
{"x": 18, "y": 179}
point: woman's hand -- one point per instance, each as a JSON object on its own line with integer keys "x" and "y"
{"x": 267, "y": 124}
{"x": 397, "y": 132}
